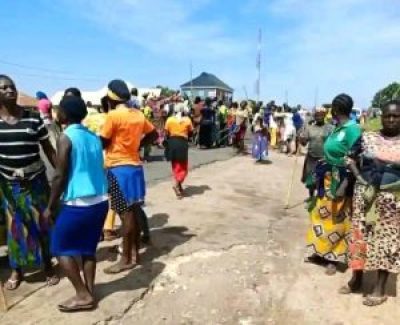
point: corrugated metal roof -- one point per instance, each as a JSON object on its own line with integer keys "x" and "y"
{"x": 206, "y": 80}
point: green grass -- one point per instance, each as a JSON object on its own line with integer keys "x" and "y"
{"x": 373, "y": 124}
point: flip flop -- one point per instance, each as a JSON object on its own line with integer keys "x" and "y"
{"x": 12, "y": 285}
{"x": 75, "y": 308}
{"x": 371, "y": 301}
{"x": 52, "y": 280}
{"x": 118, "y": 268}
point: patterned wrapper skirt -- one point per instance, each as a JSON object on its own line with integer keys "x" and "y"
{"x": 378, "y": 247}
{"x": 22, "y": 205}
{"x": 329, "y": 230}
{"x": 127, "y": 187}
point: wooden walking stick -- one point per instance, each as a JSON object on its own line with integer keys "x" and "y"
{"x": 290, "y": 188}
{"x": 3, "y": 299}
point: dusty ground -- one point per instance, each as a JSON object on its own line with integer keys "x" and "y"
{"x": 227, "y": 254}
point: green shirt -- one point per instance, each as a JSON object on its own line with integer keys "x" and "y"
{"x": 339, "y": 143}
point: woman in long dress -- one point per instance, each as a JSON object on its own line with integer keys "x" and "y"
{"x": 375, "y": 235}
{"x": 24, "y": 188}
{"x": 260, "y": 138}
{"x": 178, "y": 130}
{"x": 206, "y": 125}
{"x": 330, "y": 209}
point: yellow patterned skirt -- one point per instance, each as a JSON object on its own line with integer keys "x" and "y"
{"x": 327, "y": 236}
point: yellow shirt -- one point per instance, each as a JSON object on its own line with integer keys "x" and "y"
{"x": 179, "y": 127}
{"x": 95, "y": 122}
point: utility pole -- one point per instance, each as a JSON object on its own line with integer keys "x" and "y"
{"x": 316, "y": 99}
{"x": 191, "y": 81}
{"x": 287, "y": 97}
{"x": 258, "y": 65}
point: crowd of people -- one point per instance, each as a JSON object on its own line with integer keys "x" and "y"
{"x": 353, "y": 178}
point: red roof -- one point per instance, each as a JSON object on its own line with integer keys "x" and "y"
{"x": 26, "y": 100}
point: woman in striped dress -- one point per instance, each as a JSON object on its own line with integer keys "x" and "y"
{"x": 24, "y": 187}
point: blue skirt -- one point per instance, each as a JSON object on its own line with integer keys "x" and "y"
{"x": 127, "y": 187}
{"x": 78, "y": 229}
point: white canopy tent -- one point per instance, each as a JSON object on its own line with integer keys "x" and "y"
{"x": 95, "y": 96}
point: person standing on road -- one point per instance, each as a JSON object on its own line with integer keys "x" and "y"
{"x": 24, "y": 188}
{"x": 80, "y": 181}
{"x": 207, "y": 125}
{"x": 331, "y": 209}
{"x": 124, "y": 132}
{"x": 242, "y": 117}
{"x": 260, "y": 137}
{"x": 223, "y": 121}
{"x": 375, "y": 235}
{"x": 314, "y": 135}
{"x": 178, "y": 130}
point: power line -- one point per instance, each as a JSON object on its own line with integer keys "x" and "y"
{"x": 56, "y": 77}
{"x": 66, "y": 75}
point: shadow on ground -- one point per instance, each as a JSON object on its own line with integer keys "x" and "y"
{"x": 196, "y": 190}
{"x": 139, "y": 278}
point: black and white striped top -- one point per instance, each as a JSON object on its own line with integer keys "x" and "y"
{"x": 20, "y": 145}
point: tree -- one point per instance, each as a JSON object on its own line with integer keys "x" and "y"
{"x": 165, "y": 91}
{"x": 391, "y": 91}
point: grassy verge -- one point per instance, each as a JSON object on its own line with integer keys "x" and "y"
{"x": 373, "y": 124}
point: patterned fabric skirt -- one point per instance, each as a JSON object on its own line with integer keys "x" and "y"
{"x": 259, "y": 146}
{"x": 330, "y": 227}
{"x": 377, "y": 247}
{"x": 21, "y": 208}
{"x": 126, "y": 187}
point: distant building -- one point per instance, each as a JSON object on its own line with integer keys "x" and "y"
{"x": 207, "y": 85}
{"x": 27, "y": 101}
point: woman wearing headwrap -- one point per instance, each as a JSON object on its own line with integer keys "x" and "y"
{"x": 24, "y": 188}
{"x": 375, "y": 235}
{"x": 314, "y": 135}
{"x": 80, "y": 181}
{"x": 44, "y": 107}
{"x": 124, "y": 132}
{"x": 178, "y": 130}
{"x": 331, "y": 206}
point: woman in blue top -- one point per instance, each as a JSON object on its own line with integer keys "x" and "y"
{"x": 80, "y": 182}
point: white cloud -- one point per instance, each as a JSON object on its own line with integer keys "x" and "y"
{"x": 172, "y": 28}
{"x": 341, "y": 45}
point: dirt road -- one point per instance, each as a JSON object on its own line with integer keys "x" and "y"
{"x": 227, "y": 254}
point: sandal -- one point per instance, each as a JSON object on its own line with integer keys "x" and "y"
{"x": 64, "y": 308}
{"x": 12, "y": 284}
{"x": 118, "y": 268}
{"x": 372, "y": 301}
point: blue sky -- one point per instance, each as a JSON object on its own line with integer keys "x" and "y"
{"x": 334, "y": 46}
